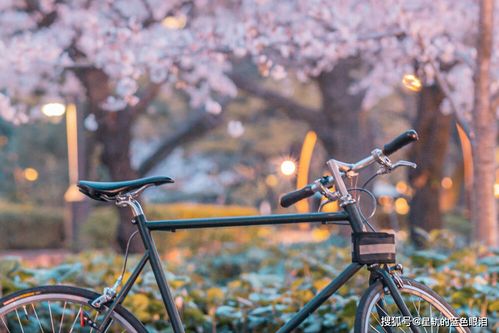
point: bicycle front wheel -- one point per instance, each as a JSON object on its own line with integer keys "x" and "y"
{"x": 378, "y": 313}
{"x": 61, "y": 309}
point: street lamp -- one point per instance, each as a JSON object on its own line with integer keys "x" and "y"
{"x": 288, "y": 167}
{"x": 72, "y": 196}
{"x": 307, "y": 150}
{"x": 53, "y": 109}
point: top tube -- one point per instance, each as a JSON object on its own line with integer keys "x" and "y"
{"x": 242, "y": 221}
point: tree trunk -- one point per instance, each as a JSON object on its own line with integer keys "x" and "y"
{"x": 115, "y": 135}
{"x": 484, "y": 211}
{"x": 343, "y": 127}
{"x": 345, "y": 131}
{"x": 429, "y": 153}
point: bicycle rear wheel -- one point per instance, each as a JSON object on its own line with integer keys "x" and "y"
{"x": 60, "y": 309}
{"x": 378, "y": 313}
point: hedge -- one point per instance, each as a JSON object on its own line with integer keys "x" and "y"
{"x": 29, "y": 227}
{"x": 32, "y": 227}
{"x": 244, "y": 288}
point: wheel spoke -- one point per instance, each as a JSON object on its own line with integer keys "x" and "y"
{"x": 43, "y": 313}
{"x": 374, "y": 328}
{"x": 37, "y": 319}
{"x": 431, "y": 317}
{"x": 4, "y": 324}
{"x": 375, "y": 317}
{"x": 95, "y": 320}
{"x": 422, "y": 302}
{"x": 74, "y": 322}
{"x": 51, "y": 318}
{"x": 62, "y": 316}
{"x": 20, "y": 323}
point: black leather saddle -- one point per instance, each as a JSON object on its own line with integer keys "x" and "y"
{"x": 106, "y": 191}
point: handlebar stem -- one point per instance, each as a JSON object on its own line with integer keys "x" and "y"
{"x": 345, "y": 197}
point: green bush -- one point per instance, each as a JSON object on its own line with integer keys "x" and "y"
{"x": 99, "y": 231}
{"x": 236, "y": 288}
{"x": 33, "y": 227}
{"x": 29, "y": 227}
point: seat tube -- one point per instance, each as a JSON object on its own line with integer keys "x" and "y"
{"x": 159, "y": 274}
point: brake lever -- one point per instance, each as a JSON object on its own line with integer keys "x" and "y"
{"x": 387, "y": 168}
{"x": 404, "y": 164}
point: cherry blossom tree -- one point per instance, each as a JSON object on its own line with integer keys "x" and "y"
{"x": 111, "y": 57}
{"x": 117, "y": 55}
{"x": 357, "y": 52}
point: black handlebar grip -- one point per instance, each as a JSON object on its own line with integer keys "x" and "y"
{"x": 293, "y": 197}
{"x": 400, "y": 141}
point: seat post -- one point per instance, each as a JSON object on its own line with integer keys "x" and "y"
{"x": 130, "y": 201}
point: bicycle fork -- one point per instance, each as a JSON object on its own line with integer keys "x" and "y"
{"x": 392, "y": 281}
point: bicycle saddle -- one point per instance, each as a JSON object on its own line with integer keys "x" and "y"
{"x": 105, "y": 191}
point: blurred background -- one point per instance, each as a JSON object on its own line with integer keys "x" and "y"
{"x": 240, "y": 102}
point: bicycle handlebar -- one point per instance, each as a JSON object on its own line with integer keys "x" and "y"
{"x": 400, "y": 141}
{"x": 293, "y": 197}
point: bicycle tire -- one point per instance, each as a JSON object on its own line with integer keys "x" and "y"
{"x": 367, "y": 308}
{"x": 21, "y": 311}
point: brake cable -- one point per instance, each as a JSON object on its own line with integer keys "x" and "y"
{"x": 110, "y": 293}
{"x": 373, "y": 197}
{"x": 126, "y": 254}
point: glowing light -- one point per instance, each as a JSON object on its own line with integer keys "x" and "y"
{"x": 446, "y": 183}
{"x": 401, "y": 206}
{"x": 73, "y": 194}
{"x": 175, "y": 22}
{"x": 496, "y": 190}
{"x": 271, "y": 180}
{"x": 402, "y": 187}
{"x": 385, "y": 200}
{"x": 30, "y": 174}
{"x": 53, "y": 109}
{"x": 412, "y": 82}
{"x": 307, "y": 150}
{"x": 288, "y": 167}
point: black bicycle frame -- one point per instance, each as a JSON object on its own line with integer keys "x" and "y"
{"x": 350, "y": 216}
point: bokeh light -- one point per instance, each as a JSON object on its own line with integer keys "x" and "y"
{"x": 401, "y": 206}
{"x": 271, "y": 180}
{"x": 53, "y": 109}
{"x": 446, "y": 183}
{"x": 412, "y": 82}
{"x": 30, "y": 174}
{"x": 288, "y": 167}
{"x": 402, "y": 187}
{"x": 175, "y": 22}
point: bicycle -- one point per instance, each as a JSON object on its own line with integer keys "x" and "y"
{"x": 72, "y": 309}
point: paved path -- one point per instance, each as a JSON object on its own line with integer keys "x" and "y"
{"x": 39, "y": 258}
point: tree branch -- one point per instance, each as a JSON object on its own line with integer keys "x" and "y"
{"x": 199, "y": 124}
{"x": 150, "y": 93}
{"x": 442, "y": 82}
{"x": 292, "y": 108}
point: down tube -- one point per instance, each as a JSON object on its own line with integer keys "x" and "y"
{"x": 320, "y": 298}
